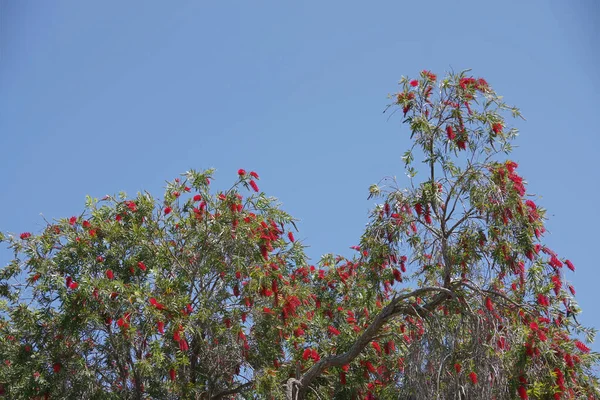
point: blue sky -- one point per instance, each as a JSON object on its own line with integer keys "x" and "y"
{"x": 99, "y": 97}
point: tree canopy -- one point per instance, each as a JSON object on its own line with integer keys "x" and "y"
{"x": 206, "y": 294}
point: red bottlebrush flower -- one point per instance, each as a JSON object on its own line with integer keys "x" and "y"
{"x": 183, "y": 345}
{"x": 473, "y": 377}
{"x": 543, "y": 300}
{"x": 161, "y": 327}
{"x": 572, "y": 290}
{"x": 419, "y": 208}
{"x": 461, "y": 144}
{"x": 397, "y": 275}
{"x": 431, "y": 76}
{"x": 73, "y": 285}
{"x": 177, "y": 335}
{"x": 376, "y": 346}
{"x": 342, "y": 378}
{"x": 497, "y": 127}
{"x": 450, "y": 132}
{"x": 86, "y": 224}
{"x": 267, "y": 310}
{"x": 72, "y": 221}
{"x": 569, "y": 360}
{"x": 168, "y": 210}
{"x": 333, "y": 330}
{"x": 172, "y": 374}
{"x": 370, "y": 367}
{"x": 291, "y": 237}
{"x": 428, "y": 218}
{"x": 56, "y": 367}
{"x": 522, "y": 393}
{"x": 254, "y": 185}
{"x": 570, "y": 265}
{"x": 142, "y": 266}
{"x": 557, "y": 284}
{"x": 241, "y": 172}
{"x": 306, "y": 354}
{"x": 582, "y": 347}
{"x": 197, "y": 197}
{"x": 265, "y": 252}
{"x": 542, "y": 336}
{"x": 488, "y": 304}
{"x": 156, "y": 303}
{"x": 25, "y": 235}
{"x": 534, "y": 326}
{"x": 254, "y": 175}
{"x": 414, "y": 83}
{"x": 110, "y": 274}
{"x": 314, "y": 355}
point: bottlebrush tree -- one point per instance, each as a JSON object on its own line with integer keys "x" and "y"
{"x": 451, "y": 293}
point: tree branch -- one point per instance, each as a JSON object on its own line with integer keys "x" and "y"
{"x": 393, "y": 309}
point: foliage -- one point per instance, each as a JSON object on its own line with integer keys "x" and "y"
{"x": 451, "y": 294}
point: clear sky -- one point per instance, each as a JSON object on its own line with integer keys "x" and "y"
{"x": 102, "y": 96}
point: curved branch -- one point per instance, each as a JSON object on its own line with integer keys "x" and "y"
{"x": 235, "y": 390}
{"x": 393, "y": 309}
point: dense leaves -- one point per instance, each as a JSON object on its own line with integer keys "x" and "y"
{"x": 451, "y": 292}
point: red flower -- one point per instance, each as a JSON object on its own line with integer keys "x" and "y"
{"x": 254, "y": 186}
{"x": 488, "y": 304}
{"x": 25, "y": 235}
{"x": 156, "y": 304}
{"x": 333, "y": 330}
{"x": 431, "y": 76}
{"x": 414, "y": 83}
{"x": 183, "y": 345}
{"x": 291, "y": 236}
{"x": 56, "y": 367}
{"x": 142, "y": 266}
{"x": 267, "y": 310}
{"x": 450, "y": 132}
{"x": 497, "y": 127}
{"x": 522, "y": 392}
{"x": 570, "y": 265}
{"x": 582, "y": 347}
{"x": 161, "y": 327}
{"x": 72, "y": 221}
{"x": 254, "y": 175}
{"x": 314, "y": 355}
{"x": 172, "y": 374}
{"x": 419, "y": 208}
{"x": 457, "y": 368}
{"x": 397, "y": 275}
{"x": 306, "y": 354}
{"x": 110, "y": 274}
{"x": 168, "y": 210}
{"x": 543, "y": 300}
{"x": 473, "y": 377}
{"x": 241, "y": 172}
{"x": 370, "y": 367}
{"x": 376, "y": 346}
{"x": 197, "y": 197}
